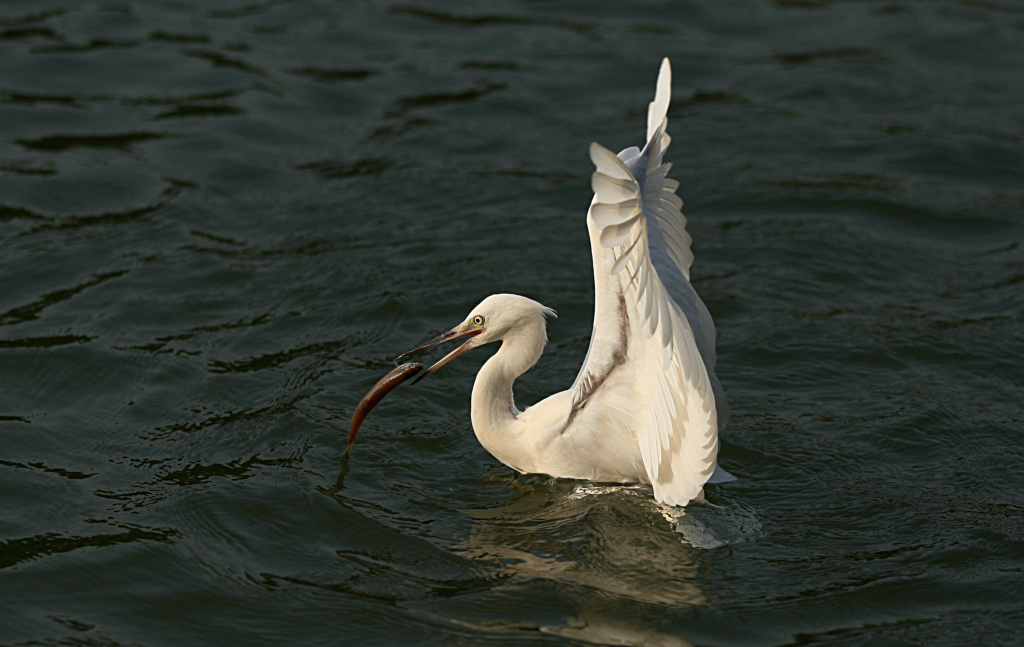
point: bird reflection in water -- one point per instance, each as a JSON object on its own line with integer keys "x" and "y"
{"x": 611, "y": 544}
{"x": 616, "y": 556}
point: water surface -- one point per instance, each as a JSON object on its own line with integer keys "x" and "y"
{"x": 219, "y": 224}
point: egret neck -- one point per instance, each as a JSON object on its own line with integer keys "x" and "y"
{"x": 493, "y": 406}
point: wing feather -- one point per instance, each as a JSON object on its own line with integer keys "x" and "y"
{"x": 624, "y": 257}
{"x": 609, "y": 164}
{"x": 618, "y": 235}
{"x": 618, "y": 213}
{"x": 658, "y": 109}
{"x": 610, "y": 190}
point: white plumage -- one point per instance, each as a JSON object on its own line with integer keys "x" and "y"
{"x": 646, "y": 406}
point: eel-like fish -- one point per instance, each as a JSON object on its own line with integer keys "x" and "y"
{"x": 386, "y": 385}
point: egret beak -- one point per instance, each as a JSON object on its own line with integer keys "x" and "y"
{"x": 462, "y": 330}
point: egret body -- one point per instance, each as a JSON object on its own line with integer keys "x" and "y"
{"x": 646, "y": 406}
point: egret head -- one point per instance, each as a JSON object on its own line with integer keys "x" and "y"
{"x": 495, "y": 318}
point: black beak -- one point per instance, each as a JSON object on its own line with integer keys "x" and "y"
{"x": 462, "y": 330}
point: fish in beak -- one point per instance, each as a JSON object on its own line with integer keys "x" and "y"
{"x": 400, "y": 374}
{"x": 385, "y": 385}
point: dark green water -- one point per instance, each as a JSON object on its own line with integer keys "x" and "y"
{"x": 219, "y": 222}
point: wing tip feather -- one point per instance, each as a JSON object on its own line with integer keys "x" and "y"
{"x": 658, "y": 109}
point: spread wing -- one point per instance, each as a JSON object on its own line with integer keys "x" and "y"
{"x": 647, "y": 315}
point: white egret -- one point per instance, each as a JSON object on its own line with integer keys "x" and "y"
{"x": 646, "y": 406}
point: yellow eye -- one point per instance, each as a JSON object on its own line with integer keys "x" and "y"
{"x": 478, "y": 320}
